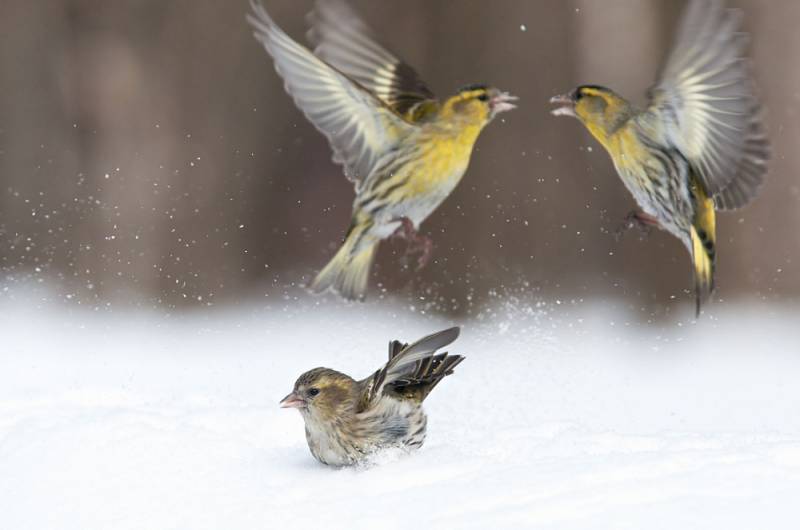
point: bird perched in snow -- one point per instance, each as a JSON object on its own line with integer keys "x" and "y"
{"x": 347, "y": 420}
{"x": 698, "y": 146}
{"x": 404, "y": 150}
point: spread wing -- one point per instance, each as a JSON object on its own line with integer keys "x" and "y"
{"x": 706, "y": 99}
{"x": 360, "y": 127}
{"x": 415, "y": 365}
{"x": 343, "y": 40}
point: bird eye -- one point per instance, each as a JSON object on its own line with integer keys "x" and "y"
{"x": 483, "y": 97}
{"x": 313, "y": 391}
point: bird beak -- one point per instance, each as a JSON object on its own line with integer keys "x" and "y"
{"x": 567, "y": 102}
{"x": 502, "y": 102}
{"x": 293, "y": 401}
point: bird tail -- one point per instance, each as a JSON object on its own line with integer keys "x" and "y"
{"x": 348, "y": 271}
{"x": 704, "y": 239}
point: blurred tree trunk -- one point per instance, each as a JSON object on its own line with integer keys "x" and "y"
{"x": 117, "y": 101}
{"x": 38, "y": 152}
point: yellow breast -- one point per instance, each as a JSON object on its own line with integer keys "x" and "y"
{"x": 444, "y": 157}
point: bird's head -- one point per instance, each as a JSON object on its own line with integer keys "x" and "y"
{"x": 322, "y": 393}
{"x": 600, "y": 109}
{"x": 478, "y": 104}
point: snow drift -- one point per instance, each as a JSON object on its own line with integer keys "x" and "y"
{"x": 560, "y": 417}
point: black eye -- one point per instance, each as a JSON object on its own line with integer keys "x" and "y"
{"x": 312, "y": 392}
{"x": 483, "y": 97}
{"x": 578, "y": 94}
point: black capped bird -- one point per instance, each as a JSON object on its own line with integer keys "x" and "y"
{"x": 403, "y": 149}
{"x": 347, "y": 420}
{"x": 698, "y": 146}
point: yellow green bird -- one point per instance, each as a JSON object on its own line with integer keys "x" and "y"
{"x": 698, "y": 146}
{"x": 404, "y": 150}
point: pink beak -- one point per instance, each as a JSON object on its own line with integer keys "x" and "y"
{"x": 502, "y": 102}
{"x": 293, "y": 401}
{"x": 567, "y": 108}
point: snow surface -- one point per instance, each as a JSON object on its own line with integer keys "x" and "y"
{"x": 561, "y": 417}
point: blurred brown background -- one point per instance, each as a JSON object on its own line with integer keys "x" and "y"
{"x": 148, "y": 152}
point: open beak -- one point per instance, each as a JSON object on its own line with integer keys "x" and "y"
{"x": 293, "y": 401}
{"x": 502, "y": 102}
{"x": 567, "y": 108}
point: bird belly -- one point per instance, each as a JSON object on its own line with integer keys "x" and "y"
{"x": 663, "y": 200}
{"x": 415, "y": 186}
{"x": 643, "y": 193}
{"x": 328, "y": 445}
{"x": 426, "y": 195}
{"x": 330, "y": 454}
{"x": 658, "y": 179}
{"x": 389, "y": 423}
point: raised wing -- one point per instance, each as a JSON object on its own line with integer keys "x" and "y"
{"x": 343, "y": 40}
{"x": 413, "y": 364}
{"x": 360, "y": 127}
{"x": 706, "y": 99}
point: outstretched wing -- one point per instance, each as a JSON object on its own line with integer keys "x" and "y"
{"x": 706, "y": 99}
{"x": 415, "y": 364}
{"x": 359, "y": 126}
{"x": 345, "y": 41}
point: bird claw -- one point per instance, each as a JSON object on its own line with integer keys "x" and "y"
{"x": 406, "y": 229}
{"x": 639, "y": 220}
{"x": 416, "y": 243}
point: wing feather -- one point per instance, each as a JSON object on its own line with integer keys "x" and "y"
{"x": 411, "y": 363}
{"x": 706, "y": 98}
{"x": 751, "y": 172}
{"x": 344, "y": 40}
{"x": 358, "y": 125}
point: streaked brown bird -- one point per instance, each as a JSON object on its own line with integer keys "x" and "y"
{"x": 347, "y": 420}
{"x": 699, "y": 145}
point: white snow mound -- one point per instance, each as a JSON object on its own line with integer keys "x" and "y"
{"x": 559, "y": 418}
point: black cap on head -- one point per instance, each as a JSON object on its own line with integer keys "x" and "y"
{"x": 470, "y": 88}
{"x": 597, "y": 88}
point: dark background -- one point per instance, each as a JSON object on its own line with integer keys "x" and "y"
{"x": 148, "y": 153}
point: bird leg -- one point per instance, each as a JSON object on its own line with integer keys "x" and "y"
{"x": 425, "y": 245}
{"x": 406, "y": 229}
{"x": 416, "y": 241}
{"x": 639, "y": 220}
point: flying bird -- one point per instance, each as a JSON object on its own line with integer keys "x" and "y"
{"x": 347, "y": 420}
{"x": 698, "y": 146}
{"x": 403, "y": 149}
